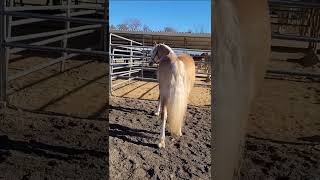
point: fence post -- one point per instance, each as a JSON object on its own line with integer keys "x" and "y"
{"x": 109, "y": 64}
{"x": 65, "y": 40}
{"x": 131, "y": 54}
{"x": 3, "y": 57}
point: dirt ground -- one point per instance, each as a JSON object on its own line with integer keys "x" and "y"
{"x": 56, "y": 123}
{"x": 283, "y": 139}
{"x": 56, "y": 127}
{"x": 134, "y": 133}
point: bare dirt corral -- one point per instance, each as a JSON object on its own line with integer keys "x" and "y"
{"x": 59, "y": 130}
{"x": 283, "y": 139}
{"x": 284, "y": 127}
{"x": 134, "y": 135}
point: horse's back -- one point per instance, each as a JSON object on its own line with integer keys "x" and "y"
{"x": 189, "y": 66}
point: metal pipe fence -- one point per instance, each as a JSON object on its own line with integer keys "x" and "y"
{"x": 130, "y": 61}
{"x": 19, "y": 17}
{"x": 296, "y": 21}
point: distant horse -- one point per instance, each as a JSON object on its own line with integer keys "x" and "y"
{"x": 176, "y": 76}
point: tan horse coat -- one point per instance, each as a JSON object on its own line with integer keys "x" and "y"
{"x": 242, "y": 40}
{"x": 176, "y": 75}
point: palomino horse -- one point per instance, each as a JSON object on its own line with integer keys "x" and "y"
{"x": 242, "y": 40}
{"x": 176, "y": 76}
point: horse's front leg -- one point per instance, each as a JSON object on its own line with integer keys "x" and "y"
{"x": 164, "y": 116}
{"x": 157, "y": 113}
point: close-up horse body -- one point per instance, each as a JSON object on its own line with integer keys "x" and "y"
{"x": 243, "y": 41}
{"x": 176, "y": 76}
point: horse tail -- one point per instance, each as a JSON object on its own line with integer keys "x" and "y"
{"x": 178, "y": 99}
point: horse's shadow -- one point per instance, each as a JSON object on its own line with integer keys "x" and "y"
{"x": 127, "y": 134}
{"x": 129, "y": 110}
{"x": 44, "y": 150}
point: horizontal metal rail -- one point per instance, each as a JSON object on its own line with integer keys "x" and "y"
{"x": 150, "y": 47}
{"x": 291, "y": 72}
{"x": 146, "y": 68}
{"x": 295, "y": 38}
{"x": 125, "y": 59}
{"x": 51, "y": 40}
{"x": 90, "y": 2}
{"x": 33, "y": 20}
{"x": 299, "y": 4}
{"x": 120, "y": 37}
{"x": 124, "y": 55}
{"x": 41, "y": 66}
{"x": 56, "y": 49}
{"x": 55, "y": 7}
{"x": 126, "y": 72}
{"x": 121, "y": 50}
{"x": 51, "y": 33}
{"x": 122, "y": 67}
{"x": 57, "y": 18}
{"x": 115, "y": 64}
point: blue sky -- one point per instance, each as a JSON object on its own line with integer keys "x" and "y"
{"x": 183, "y": 15}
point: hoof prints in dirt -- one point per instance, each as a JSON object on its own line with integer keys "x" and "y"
{"x": 134, "y": 135}
{"x": 268, "y": 160}
{"x": 37, "y": 146}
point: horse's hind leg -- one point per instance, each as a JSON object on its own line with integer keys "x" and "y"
{"x": 164, "y": 116}
{"x": 157, "y": 113}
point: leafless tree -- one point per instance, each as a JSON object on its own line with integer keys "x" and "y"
{"x": 133, "y": 24}
{"x": 169, "y": 29}
{"x": 113, "y": 27}
{"x": 123, "y": 26}
{"x": 146, "y": 28}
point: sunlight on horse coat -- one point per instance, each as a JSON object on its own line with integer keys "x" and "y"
{"x": 176, "y": 75}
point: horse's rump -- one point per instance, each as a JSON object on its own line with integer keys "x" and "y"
{"x": 190, "y": 69}
{"x": 176, "y": 81}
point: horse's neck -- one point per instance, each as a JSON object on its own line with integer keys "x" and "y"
{"x": 168, "y": 49}
{"x": 172, "y": 56}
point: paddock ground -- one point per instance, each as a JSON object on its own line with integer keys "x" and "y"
{"x": 56, "y": 128}
{"x": 56, "y": 123}
{"x": 283, "y": 139}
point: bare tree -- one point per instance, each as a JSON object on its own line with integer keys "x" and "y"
{"x": 146, "y": 28}
{"x": 123, "y": 26}
{"x": 113, "y": 27}
{"x": 169, "y": 29}
{"x": 133, "y": 24}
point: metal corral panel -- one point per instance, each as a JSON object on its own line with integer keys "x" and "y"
{"x": 175, "y": 40}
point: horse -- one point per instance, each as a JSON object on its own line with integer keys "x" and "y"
{"x": 156, "y": 52}
{"x": 242, "y": 42}
{"x": 176, "y": 77}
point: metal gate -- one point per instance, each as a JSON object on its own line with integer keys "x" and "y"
{"x": 19, "y": 16}
{"x": 129, "y": 60}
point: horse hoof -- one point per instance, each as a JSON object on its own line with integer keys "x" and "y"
{"x": 162, "y": 144}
